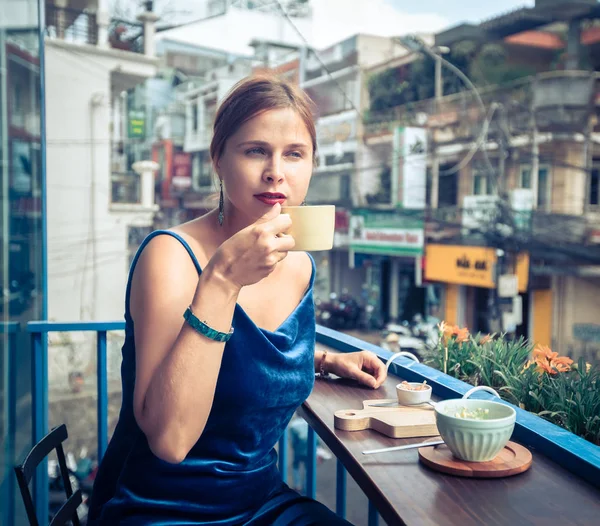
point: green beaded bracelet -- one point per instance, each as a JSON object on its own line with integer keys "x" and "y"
{"x": 204, "y": 329}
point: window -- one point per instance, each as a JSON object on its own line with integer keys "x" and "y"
{"x": 447, "y": 186}
{"x": 543, "y": 199}
{"x": 480, "y": 182}
{"x": 345, "y": 158}
{"x": 594, "y": 198}
{"x": 210, "y": 112}
{"x": 201, "y": 170}
{"x": 194, "y": 116}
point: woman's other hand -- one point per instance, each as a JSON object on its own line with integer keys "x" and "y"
{"x": 363, "y": 366}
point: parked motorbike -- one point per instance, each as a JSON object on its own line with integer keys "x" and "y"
{"x": 82, "y": 473}
{"x": 414, "y": 336}
{"x": 19, "y": 293}
{"x": 341, "y": 312}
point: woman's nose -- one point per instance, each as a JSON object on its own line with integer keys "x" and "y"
{"x": 274, "y": 172}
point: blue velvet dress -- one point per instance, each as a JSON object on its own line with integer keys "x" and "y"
{"x": 230, "y": 476}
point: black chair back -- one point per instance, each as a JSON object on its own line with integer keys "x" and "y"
{"x": 25, "y": 472}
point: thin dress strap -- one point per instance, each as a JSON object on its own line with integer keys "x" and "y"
{"x": 148, "y": 238}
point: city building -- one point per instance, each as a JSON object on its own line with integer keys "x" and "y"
{"x": 23, "y": 287}
{"x": 512, "y": 187}
{"x": 160, "y": 102}
{"x": 94, "y": 197}
{"x": 377, "y": 250}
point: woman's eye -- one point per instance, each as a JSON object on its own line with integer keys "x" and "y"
{"x": 255, "y": 151}
{"x": 296, "y": 154}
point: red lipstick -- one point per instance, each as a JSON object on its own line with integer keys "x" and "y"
{"x": 271, "y": 198}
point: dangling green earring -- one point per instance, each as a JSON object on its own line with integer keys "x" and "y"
{"x": 221, "y": 204}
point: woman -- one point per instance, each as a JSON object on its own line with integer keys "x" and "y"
{"x": 207, "y": 396}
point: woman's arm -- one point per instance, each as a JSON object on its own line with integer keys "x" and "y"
{"x": 176, "y": 367}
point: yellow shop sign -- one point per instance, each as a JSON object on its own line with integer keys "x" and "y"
{"x": 472, "y": 266}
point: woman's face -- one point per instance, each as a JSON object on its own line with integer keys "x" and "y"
{"x": 268, "y": 160}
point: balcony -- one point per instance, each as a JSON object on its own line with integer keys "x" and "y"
{"x": 562, "y": 101}
{"x": 418, "y": 497}
{"x": 125, "y": 48}
{"x": 132, "y": 192}
{"x": 81, "y": 27}
{"x": 330, "y": 188}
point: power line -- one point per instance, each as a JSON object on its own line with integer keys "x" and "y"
{"x": 315, "y": 54}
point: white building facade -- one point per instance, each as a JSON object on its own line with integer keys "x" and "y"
{"x": 336, "y": 80}
{"x": 92, "y": 208}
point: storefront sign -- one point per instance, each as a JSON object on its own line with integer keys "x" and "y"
{"x": 337, "y": 128}
{"x": 409, "y": 173}
{"x": 472, "y": 266}
{"x": 386, "y": 233}
{"x": 136, "y": 125}
{"x": 414, "y": 168}
{"x": 522, "y": 203}
{"x": 182, "y": 165}
{"x": 342, "y": 228}
{"x": 479, "y": 211}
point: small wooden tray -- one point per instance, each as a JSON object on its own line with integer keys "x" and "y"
{"x": 394, "y": 422}
{"x": 512, "y": 460}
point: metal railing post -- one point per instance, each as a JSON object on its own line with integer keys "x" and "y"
{"x": 102, "y": 375}
{"x": 311, "y": 464}
{"x": 39, "y": 386}
{"x": 373, "y": 515}
{"x": 340, "y": 490}
{"x": 283, "y": 455}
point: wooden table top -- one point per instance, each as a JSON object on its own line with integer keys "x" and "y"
{"x": 406, "y": 492}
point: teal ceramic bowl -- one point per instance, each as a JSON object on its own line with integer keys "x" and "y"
{"x": 470, "y": 439}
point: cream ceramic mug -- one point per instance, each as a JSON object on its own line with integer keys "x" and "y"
{"x": 313, "y": 227}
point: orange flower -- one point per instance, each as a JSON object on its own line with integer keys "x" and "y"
{"x": 446, "y": 330}
{"x": 462, "y": 335}
{"x": 544, "y": 367}
{"x": 550, "y": 362}
{"x": 485, "y": 339}
{"x": 544, "y": 353}
{"x": 453, "y": 331}
{"x": 562, "y": 364}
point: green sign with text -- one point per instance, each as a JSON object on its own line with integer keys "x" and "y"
{"x": 136, "y": 125}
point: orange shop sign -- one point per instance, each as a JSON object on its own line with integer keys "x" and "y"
{"x": 472, "y": 266}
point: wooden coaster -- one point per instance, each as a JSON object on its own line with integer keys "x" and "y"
{"x": 512, "y": 460}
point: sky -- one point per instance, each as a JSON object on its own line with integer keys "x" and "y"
{"x": 335, "y": 20}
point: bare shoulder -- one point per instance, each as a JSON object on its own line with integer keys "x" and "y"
{"x": 200, "y": 237}
{"x": 164, "y": 252}
{"x": 164, "y": 272}
{"x": 300, "y": 268}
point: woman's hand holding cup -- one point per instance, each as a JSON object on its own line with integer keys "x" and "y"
{"x": 254, "y": 252}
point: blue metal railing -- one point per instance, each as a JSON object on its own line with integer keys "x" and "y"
{"x": 570, "y": 451}
{"x": 39, "y": 333}
{"x": 11, "y": 418}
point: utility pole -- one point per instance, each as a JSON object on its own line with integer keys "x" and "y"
{"x": 439, "y": 93}
{"x": 302, "y": 65}
{"x": 435, "y": 162}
